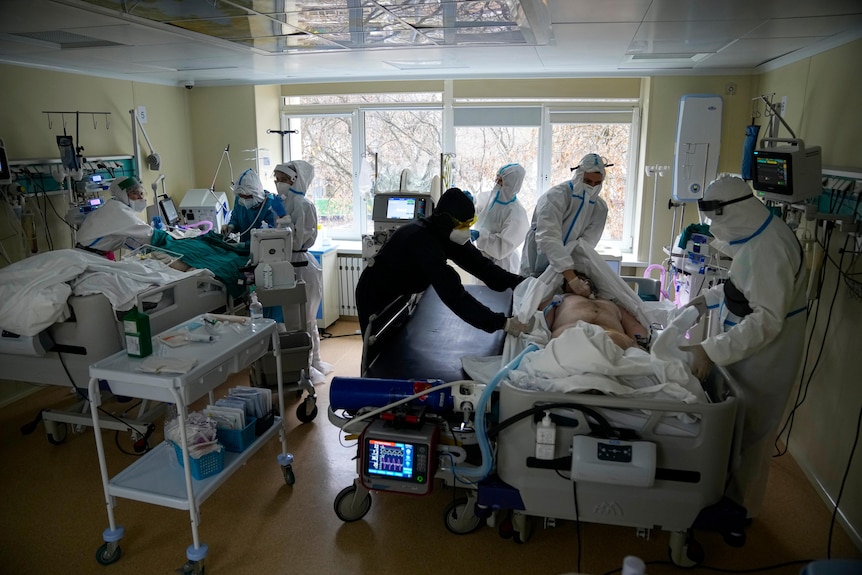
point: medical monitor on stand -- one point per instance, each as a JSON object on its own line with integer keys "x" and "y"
{"x": 790, "y": 173}
{"x": 390, "y": 212}
{"x": 169, "y": 212}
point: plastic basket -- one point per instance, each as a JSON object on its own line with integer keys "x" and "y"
{"x": 237, "y": 439}
{"x": 265, "y": 422}
{"x": 205, "y": 466}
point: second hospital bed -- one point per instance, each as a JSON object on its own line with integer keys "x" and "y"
{"x": 694, "y": 443}
{"x": 61, "y": 353}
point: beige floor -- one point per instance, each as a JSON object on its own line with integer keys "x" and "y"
{"x": 52, "y": 513}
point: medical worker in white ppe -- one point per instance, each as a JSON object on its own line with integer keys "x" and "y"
{"x": 762, "y": 310}
{"x": 292, "y": 181}
{"x": 117, "y": 223}
{"x": 568, "y": 213}
{"x": 502, "y": 222}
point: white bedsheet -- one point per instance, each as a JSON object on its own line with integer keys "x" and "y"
{"x": 583, "y": 358}
{"x": 34, "y": 291}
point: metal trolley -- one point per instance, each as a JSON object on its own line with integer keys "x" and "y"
{"x": 154, "y": 478}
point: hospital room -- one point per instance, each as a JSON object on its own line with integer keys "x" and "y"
{"x": 488, "y": 286}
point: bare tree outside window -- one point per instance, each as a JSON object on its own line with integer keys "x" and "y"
{"x": 571, "y": 142}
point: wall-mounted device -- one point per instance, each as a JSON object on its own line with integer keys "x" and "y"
{"x": 787, "y": 173}
{"x": 698, "y": 142}
{"x": 5, "y": 170}
{"x": 401, "y": 460}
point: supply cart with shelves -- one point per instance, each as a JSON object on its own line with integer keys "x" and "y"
{"x": 157, "y": 477}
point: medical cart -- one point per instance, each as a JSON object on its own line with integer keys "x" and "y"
{"x": 155, "y": 478}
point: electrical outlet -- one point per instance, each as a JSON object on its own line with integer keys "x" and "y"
{"x": 730, "y": 89}
{"x": 142, "y": 114}
{"x": 783, "y": 105}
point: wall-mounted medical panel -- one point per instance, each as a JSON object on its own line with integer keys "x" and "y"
{"x": 698, "y": 140}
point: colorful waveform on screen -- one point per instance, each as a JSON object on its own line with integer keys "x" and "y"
{"x": 390, "y": 458}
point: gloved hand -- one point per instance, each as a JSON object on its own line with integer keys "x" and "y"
{"x": 701, "y": 365}
{"x": 516, "y": 328}
{"x": 699, "y": 303}
{"x": 579, "y": 287}
{"x": 225, "y": 229}
{"x": 474, "y": 235}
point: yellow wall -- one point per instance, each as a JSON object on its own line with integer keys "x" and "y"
{"x": 820, "y": 92}
{"x": 222, "y": 117}
{"x": 267, "y": 103}
{"x": 662, "y": 96}
{"x": 23, "y": 126}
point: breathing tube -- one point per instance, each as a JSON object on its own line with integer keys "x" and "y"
{"x": 479, "y": 473}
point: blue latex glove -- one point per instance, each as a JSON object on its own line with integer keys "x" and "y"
{"x": 474, "y": 235}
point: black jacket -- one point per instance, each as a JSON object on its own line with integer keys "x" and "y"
{"x": 415, "y": 257}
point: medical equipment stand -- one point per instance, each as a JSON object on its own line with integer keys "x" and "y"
{"x": 155, "y": 478}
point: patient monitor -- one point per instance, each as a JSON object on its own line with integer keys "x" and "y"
{"x": 390, "y": 212}
{"x": 271, "y": 249}
{"x": 788, "y": 173}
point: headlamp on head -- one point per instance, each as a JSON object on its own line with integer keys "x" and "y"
{"x": 717, "y": 206}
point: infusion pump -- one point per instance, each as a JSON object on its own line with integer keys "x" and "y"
{"x": 390, "y": 212}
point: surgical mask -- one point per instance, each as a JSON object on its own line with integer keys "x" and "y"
{"x": 283, "y": 188}
{"x": 247, "y": 202}
{"x": 138, "y": 205}
{"x": 592, "y": 190}
{"x": 460, "y": 237}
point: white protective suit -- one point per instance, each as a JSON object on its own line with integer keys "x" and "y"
{"x": 502, "y": 221}
{"x": 761, "y": 350}
{"x": 303, "y": 218}
{"x": 115, "y": 224}
{"x": 568, "y": 213}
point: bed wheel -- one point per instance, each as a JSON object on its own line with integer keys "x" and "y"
{"x": 307, "y": 410}
{"x": 460, "y": 518}
{"x": 734, "y": 538}
{"x": 109, "y": 553}
{"x": 56, "y": 432}
{"x": 350, "y": 505}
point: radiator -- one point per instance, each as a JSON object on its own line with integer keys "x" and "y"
{"x": 349, "y": 268}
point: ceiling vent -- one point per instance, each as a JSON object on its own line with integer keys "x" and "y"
{"x": 65, "y": 40}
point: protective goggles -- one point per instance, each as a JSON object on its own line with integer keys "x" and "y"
{"x": 464, "y": 225}
{"x": 717, "y": 206}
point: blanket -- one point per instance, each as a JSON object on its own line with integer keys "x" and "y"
{"x": 211, "y": 252}
{"x": 34, "y": 291}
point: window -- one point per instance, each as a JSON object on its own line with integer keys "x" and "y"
{"x": 608, "y": 134}
{"x": 392, "y": 136}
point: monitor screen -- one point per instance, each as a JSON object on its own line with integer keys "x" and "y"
{"x": 772, "y": 172}
{"x": 400, "y": 208}
{"x": 392, "y": 459}
{"x": 169, "y": 210}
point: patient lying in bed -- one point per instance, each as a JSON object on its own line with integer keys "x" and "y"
{"x": 567, "y": 309}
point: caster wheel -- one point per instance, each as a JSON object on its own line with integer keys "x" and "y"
{"x": 58, "y": 433}
{"x": 734, "y": 538}
{"x": 108, "y": 553}
{"x": 506, "y": 530}
{"x": 303, "y": 414}
{"x": 351, "y": 506}
{"x": 192, "y": 568}
{"x": 459, "y": 519}
{"x": 289, "y": 477}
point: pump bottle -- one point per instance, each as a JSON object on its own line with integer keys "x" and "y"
{"x": 546, "y": 435}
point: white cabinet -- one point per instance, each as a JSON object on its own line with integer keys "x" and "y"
{"x": 328, "y": 311}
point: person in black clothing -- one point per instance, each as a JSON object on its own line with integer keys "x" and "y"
{"x": 415, "y": 258}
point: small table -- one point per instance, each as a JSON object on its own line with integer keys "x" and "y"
{"x": 152, "y": 478}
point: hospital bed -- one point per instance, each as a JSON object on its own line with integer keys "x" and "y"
{"x": 677, "y": 488}
{"x": 62, "y": 353}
